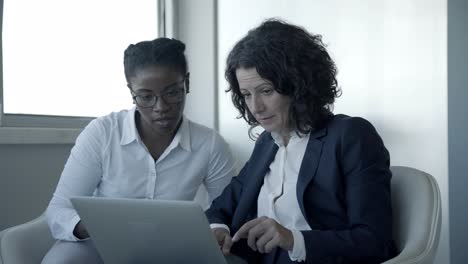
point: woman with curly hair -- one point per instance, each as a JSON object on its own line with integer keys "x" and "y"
{"x": 317, "y": 185}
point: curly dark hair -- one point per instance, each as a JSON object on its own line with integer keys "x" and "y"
{"x": 296, "y": 63}
{"x": 161, "y": 51}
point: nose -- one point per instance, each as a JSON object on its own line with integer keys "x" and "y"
{"x": 160, "y": 105}
{"x": 256, "y": 105}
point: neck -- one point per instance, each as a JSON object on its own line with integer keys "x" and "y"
{"x": 285, "y": 135}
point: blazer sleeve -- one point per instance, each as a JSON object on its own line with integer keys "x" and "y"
{"x": 222, "y": 208}
{"x": 364, "y": 164}
{"x": 229, "y": 207}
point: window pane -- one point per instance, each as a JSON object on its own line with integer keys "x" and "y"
{"x": 65, "y": 57}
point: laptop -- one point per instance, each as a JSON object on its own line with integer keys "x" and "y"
{"x": 149, "y": 231}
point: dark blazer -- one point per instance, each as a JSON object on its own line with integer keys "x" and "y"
{"x": 343, "y": 190}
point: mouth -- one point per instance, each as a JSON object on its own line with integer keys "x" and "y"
{"x": 163, "y": 121}
{"x": 264, "y": 118}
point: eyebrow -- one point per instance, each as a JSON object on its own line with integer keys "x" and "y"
{"x": 260, "y": 86}
{"x": 164, "y": 89}
{"x": 174, "y": 84}
{"x": 142, "y": 90}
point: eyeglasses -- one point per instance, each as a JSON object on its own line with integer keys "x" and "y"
{"x": 174, "y": 95}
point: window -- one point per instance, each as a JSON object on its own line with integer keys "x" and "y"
{"x": 63, "y": 60}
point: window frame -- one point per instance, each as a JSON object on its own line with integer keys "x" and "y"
{"x": 14, "y": 127}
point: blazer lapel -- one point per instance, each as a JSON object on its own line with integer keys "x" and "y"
{"x": 309, "y": 165}
{"x": 259, "y": 164}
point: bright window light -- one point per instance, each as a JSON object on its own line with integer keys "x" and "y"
{"x": 65, "y": 57}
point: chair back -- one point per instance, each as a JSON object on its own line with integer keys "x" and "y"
{"x": 25, "y": 243}
{"x": 417, "y": 215}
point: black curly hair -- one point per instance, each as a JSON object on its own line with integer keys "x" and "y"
{"x": 158, "y": 52}
{"x": 296, "y": 63}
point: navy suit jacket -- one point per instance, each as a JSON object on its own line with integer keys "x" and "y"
{"x": 343, "y": 191}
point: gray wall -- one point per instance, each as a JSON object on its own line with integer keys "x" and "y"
{"x": 458, "y": 128}
{"x": 28, "y": 176}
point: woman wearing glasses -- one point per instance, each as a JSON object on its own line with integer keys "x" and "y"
{"x": 149, "y": 152}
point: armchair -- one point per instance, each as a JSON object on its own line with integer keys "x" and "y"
{"x": 417, "y": 215}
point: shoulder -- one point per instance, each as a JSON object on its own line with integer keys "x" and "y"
{"x": 197, "y": 128}
{"x": 112, "y": 119}
{"x": 203, "y": 135}
{"x": 355, "y": 134}
{"x": 199, "y": 132}
{"x": 349, "y": 125}
{"x": 106, "y": 125}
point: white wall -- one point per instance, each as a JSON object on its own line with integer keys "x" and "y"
{"x": 392, "y": 62}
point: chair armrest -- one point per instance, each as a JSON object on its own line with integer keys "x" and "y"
{"x": 25, "y": 243}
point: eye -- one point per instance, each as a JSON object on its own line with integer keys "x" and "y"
{"x": 146, "y": 97}
{"x": 173, "y": 93}
{"x": 245, "y": 95}
{"x": 267, "y": 91}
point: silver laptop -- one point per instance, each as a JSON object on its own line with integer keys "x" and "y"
{"x": 149, "y": 231}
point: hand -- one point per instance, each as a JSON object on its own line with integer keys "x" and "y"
{"x": 224, "y": 239}
{"x": 264, "y": 234}
{"x": 80, "y": 231}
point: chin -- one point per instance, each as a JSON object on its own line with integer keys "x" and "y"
{"x": 165, "y": 129}
{"x": 269, "y": 128}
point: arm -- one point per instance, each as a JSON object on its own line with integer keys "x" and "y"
{"x": 364, "y": 165}
{"x": 232, "y": 207}
{"x": 222, "y": 209}
{"x": 221, "y": 212}
{"x": 80, "y": 176}
{"x": 220, "y": 167}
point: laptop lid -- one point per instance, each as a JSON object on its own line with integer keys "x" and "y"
{"x": 148, "y": 231}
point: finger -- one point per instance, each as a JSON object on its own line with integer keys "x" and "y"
{"x": 244, "y": 230}
{"x": 220, "y": 240}
{"x": 227, "y": 244}
{"x": 263, "y": 240}
{"x": 272, "y": 243}
{"x": 255, "y": 233}
{"x": 267, "y": 225}
{"x": 219, "y": 235}
{"x": 251, "y": 241}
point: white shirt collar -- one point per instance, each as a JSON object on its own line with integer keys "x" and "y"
{"x": 294, "y": 136}
{"x": 183, "y": 135}
{"x": 130, "y": 131}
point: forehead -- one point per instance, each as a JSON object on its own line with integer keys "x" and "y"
{"x": 154, "y": 78}
{"x": 248, "y": 78}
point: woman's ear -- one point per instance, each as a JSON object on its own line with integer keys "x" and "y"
{"x": 187, "y": 82}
